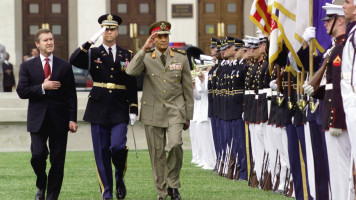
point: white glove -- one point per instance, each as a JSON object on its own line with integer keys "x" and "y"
{"x": 308, "y": 89}
{"x": 243, "y": 118}
{"x": 335, "y": 131}
{"x": 132, "y": 118}
{"x": 96, "y": 36}
{"x": 293, "y": 63}
{"x": 309, "y": 34}
{"x": 273, "y": 85}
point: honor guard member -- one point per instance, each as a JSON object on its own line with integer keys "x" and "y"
{"x": 348, "y": 78}
{"x": 112, "y": 98}
{"x": 237, "y": 97}
{"x": 214, "y": 53}
{"x": 280, "y": 134}
{"x": 294, "y": 119}
{"x": 333, "y": 115}
{"x": 167, "y": 105}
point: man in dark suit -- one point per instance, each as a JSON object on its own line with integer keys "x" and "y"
{"x": 8, "y": 74}
{"x": 112, "y": 102}
{"x": 48, "y": 82}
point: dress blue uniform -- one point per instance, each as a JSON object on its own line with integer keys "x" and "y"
{"x": 113, "y": 97}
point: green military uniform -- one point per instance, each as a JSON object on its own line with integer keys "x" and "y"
{"x": 166, "y": 104}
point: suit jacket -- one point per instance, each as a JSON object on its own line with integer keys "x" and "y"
{"x": 167, "y": 90}
{"x": 8, "y": 78}
{"x": 60, "y": 105}
{"x": 107, "y": 106}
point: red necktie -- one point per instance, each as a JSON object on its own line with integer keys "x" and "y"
{"x": 47, "y": 68}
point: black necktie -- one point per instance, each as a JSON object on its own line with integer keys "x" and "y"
{"x": 163, "y": 59}
{"x": 111, "y": 57}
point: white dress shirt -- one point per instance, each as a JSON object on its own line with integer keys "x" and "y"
{"x": 50, "y": 61}
{"x": 113, "y": 50}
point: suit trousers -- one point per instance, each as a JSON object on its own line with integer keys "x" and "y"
{"x": 165, "y": 169}
{"x": 57, "y": 144}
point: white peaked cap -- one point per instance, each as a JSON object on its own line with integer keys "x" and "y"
{"x": 332, "y": 9}
{"x": 259, "y": 34}
{"x": 205, "y": 57}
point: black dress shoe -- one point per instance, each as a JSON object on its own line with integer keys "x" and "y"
{"x": 174, "y": 193}
{"x": 120, "y": 190}
{"x": 161, "y": 198}
{"x": 108, "y": 199}
{"x": 40, "y": 194}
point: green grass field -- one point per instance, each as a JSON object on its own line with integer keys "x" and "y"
{"x": 17, "y": 180}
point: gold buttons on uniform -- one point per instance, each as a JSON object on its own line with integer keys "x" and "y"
{"x": 331, "y": 124}
{"x": 164, "y": 90}
{"x": 110, "y": 91}
{"x": 97, "y": 67}
{"x": 329, "y": 100}
{"x": 164, "y": 71}
{"x": 144, "y": 102}
{"x": 332, "y": 111}
{"x": 112, "y": 69}
{"x": 152, "y": 74}
{"x": 331, "y": 118}
{"x": 164, "y": 101}
{"x": 111, "y": 76}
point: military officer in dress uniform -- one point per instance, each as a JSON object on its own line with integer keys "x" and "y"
{"x": 167, "y": 105}
{"x": 333, "y": 115}
{"x": 113, "y": 97}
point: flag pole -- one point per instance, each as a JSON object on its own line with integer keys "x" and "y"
{"x": 311, "y": 45}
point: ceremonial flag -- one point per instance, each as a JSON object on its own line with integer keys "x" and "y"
{"x": 260, "y": 17}
{"x": 286, "y": 21}
{"x": 322, "y": 40}
{"x": 275, "y": 41}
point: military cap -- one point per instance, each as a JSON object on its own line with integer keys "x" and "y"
{"x": 223, "y": 44}
{"x": 110, "y": 21}
{"x": 247, "y": 43}
{"x": 332, "y": 11}
{"x": 253, "y": 41}
{"x": 230, "y": 41}
{"x": 238, "y": 43}
{"x": 218, "y": 45}
{"x": 213, "y": 43}
{"x": 261, "y": 37}
{"x": 161, "y": 27}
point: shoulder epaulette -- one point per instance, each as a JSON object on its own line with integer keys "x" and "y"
{"x": 150, "y": 50}
{"x": 131, "y": 52}
{"x": 179, "y": 51}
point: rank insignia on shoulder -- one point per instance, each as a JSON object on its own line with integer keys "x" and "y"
{"x": 179, "y": 51}
{"x": 337, "y": 61}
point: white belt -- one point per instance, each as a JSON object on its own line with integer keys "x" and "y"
{"x": 329, "y": 86}
{"x": 274, "y": 93}
{"x": 247, "y": 92}
{"x": 345, "y": 75}
{"x": 251, "y": 91}
{"x": 268, "y": 91}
